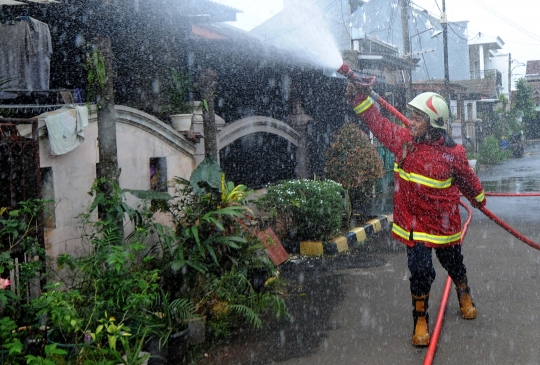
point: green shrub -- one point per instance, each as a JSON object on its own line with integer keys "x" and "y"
{"x": 489, "y": 152}
{"x": 215, "y": 252}
{"x": 312, "y": 208}
{"x": 353, "y": 161}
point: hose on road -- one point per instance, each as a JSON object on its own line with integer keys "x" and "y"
{"x": 430, "y": 354}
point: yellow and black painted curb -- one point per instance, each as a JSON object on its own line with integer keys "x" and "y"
{"x": 354, "y": 238}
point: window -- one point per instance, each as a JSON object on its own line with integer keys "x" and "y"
{"x": 47, "y": 193}
{"x": 158, "y": 174}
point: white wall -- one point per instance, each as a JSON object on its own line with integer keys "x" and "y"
{"x": 500, "y": 63}
{"x": 139, "y": 137}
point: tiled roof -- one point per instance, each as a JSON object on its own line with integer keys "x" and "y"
{"x": 438, "y": 86}
{"x": 482, "y": 88}
{"x": 533, "y": 67}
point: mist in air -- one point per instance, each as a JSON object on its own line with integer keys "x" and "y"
{"x": 304, "y": 31}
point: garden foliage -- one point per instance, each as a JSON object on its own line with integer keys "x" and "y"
{"x": 108, "y": 301}
{"x": 311, "y": 208}
{"x": 489, "y": 152}
{"x": 352, "y": 160}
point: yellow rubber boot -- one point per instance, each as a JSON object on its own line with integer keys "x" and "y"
{"x": 421, "y": 320}
{"x": 468, "y": 310}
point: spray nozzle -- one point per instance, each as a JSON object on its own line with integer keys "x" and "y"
{"x": 346, "y": 71}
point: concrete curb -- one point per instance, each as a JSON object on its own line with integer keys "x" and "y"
{"x": 354, "y": 238}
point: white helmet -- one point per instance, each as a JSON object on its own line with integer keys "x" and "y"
{"x": 434, "y": 106}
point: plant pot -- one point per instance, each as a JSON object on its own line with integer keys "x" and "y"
{"x": 72, "y": 349}
{"x": 141, "y": 354}
{"x": 157, "y": 353}
{"x": 3, "y": 356}
{"x": 177, "y": 347}
{"x": 181, "y": 122}
{"x": 257, "y": 277}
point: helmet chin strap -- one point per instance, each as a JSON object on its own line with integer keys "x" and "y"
{"x": 432, "y": 134}
{"x": 440, "y": 121}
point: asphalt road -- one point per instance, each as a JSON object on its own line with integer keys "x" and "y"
{"x": 356, "y": 309}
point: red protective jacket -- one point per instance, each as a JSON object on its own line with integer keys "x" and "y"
{"x": 428, "y": 178}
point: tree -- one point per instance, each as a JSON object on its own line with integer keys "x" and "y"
{"x": 354, "y": 162}
{"x": 509, "y": 123}
{"x": 524, "y": 103}
{"x": 101, "y": 81}
{"x": 207, "y": 85}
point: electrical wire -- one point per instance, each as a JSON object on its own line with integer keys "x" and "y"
{"x": 343, "y": 19}
{"x": 508, "y": 21}
{"x": 457, "y": 35}
{"x": 425, "y": 67}
{"x": 393, "y": 11}
{"x": 449, "y": 23}
{"x": 419, "y": 44}
{"x": 437, "y": 3}
{"x": 428, "y": 18}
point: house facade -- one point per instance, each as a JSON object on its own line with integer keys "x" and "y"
{"x": 533, "y": 78}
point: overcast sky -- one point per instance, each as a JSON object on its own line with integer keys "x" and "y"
{"x": 516, "y": 22}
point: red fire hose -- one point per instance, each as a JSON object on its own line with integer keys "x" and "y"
{"x": 506, "y": 227}
{"x": 484, "y": 210}
{"x": 368, "y": 82}
{"x": 428, "y": 360}
{"x": 377, "y": 98}
{"x": 444, "y": 300}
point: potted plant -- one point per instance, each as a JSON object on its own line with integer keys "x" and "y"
{"x": 166, "y": 321}
{"x": 9, "y": 341}
{"x": 179, "y": 108}
{"x": 63, "y": 310}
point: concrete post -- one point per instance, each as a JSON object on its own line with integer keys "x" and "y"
{"x": 300, "y": 122}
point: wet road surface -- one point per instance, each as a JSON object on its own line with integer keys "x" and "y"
{"x": 357, "y": 309}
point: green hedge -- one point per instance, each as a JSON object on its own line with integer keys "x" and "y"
{"x": 313, "y": 207}
{"x": 489, "y": 152}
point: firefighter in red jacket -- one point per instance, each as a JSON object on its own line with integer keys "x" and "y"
{"x": 430, "y": 171}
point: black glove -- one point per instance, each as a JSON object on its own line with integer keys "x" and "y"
{"x": 358, "y": 91}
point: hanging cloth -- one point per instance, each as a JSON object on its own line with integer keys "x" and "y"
{"x": 14, "y": 39}
{"x": 25, "y": 52}
{"x": 39, "y": 56}
{"x": 65, "y": 128}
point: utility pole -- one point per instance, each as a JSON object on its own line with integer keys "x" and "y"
{"x": 404, "y": 6}
{"x": 444, "y": 23}
{"x": 509, "y": 75}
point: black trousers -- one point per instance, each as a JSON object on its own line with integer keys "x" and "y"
{"x": 421, "y": 266}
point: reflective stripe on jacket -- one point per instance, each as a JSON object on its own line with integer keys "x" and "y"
{"x": 428, "y": 179}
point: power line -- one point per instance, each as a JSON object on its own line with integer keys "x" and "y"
{"x": 457, "y": 35}
{"x": 420, "y": 44}
{"x": 393, "y": 11}
{"x": 436, "y": 3}
{"x": 449, "y": 23}
{"x": 343, "y": 19}
{"x": 518, "y": 27}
